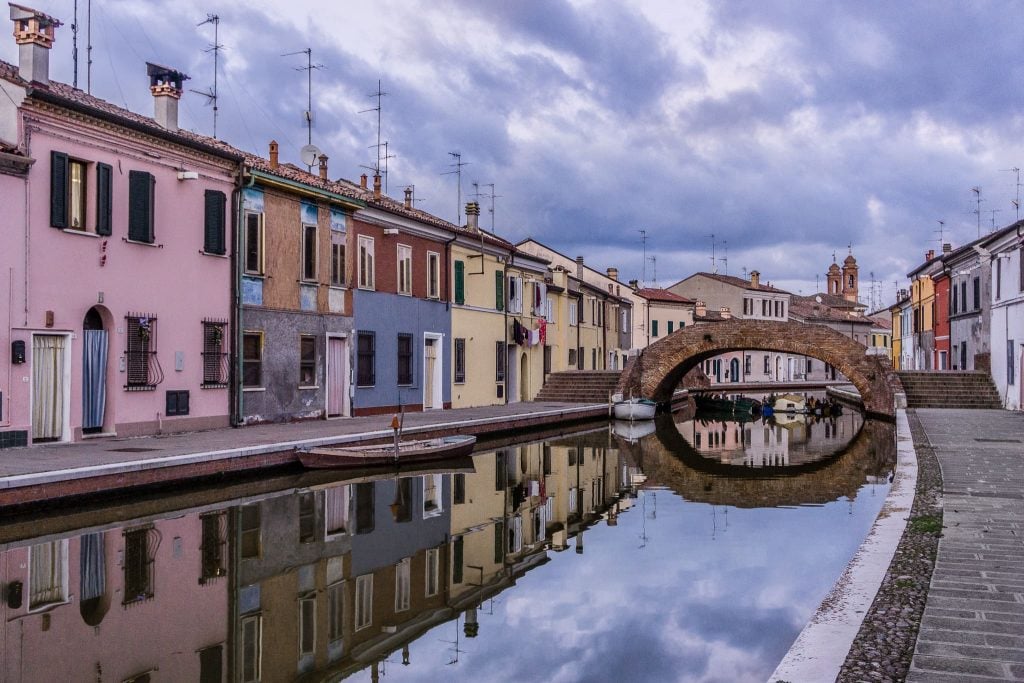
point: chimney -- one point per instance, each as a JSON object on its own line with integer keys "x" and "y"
{"x": 323, "y": 167}
{"x": 362, "y": 181}
{"x": 473, "y": 216}
{"x": 947, "y": 248}
{"x": 613, "y": 273}
{"x": 34, "y": 33}
{"x": 166, "y": 85}
{"x": 376, "y": 185}
{"x": 273, "y": 154}
{"x": 634, "y": 285}
{"x": 579, "y": 267}
{"x": 755, "y": 279}
{"x": 930, "y": 255}
{"x": 701, "y": 309}
{"x": 724, "y": 312}
{"x": 408, "y": 197}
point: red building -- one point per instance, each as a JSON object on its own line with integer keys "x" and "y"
{"x": 940, "y": 316}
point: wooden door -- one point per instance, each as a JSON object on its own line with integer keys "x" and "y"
{"x": 337, "y": 377}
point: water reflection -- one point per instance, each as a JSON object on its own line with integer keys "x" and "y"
{"x": 591, "y": 556}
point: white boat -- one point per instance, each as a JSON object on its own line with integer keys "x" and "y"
{"x": 634, "y": 409}
{"x": 632, "y": 431}
{"x": 790, "y": 403}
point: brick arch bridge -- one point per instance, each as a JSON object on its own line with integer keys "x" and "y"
{"x": 657, "y": 372}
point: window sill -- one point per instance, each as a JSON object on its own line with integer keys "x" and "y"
{"x": 213, "y": 254}
{"x": 260, "y": 276}
{"x": 367, "y": 289}
{"x": 311, "y": 283}
{"x": 214, "y": 385}
{"x": 81, "y": 233}
{"x": 310, "y": 387}
{"x": 154, "y": 245}
{"x": 366, "y": 386}
{"x": 253, "y": 389}
{"x": 404, "y": 293}
{"x": 140, "y": 387}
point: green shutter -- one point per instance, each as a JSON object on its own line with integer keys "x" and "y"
{"x": 104, "y": 198}
{"x": 58, "y": 189}
{"x": 499, "y": 290}
{"x": 140, "y": 206}
{"x": 654, "y": 328}
{"x": 460, "y": 282}
{"x": 213, "y": 230}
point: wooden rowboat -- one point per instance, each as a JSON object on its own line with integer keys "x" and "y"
{"x": 422, "y": 450}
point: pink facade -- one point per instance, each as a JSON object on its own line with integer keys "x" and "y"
{"x": 116, "y": 291}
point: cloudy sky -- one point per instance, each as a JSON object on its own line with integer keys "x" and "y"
{"x": 788, "y": 130}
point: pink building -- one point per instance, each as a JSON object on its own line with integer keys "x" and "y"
{"x": 116, "y": 265}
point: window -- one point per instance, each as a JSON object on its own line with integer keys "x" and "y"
{"x": 141, "y": 364}
{"x": 176, "y": 402}
{"x": 366, "y": 279}
{"x": 307, "y": 361}
{"x": 499, "y": 361}
{"x": 977, "y": 293}
{"x": 307, "y": 626}
{"x": 999, "y": 278}
{"x": 460, "y": 282}
{"x": 404, "y": 269}
{"x": 365, "y": 492}
{"x": 336, "y": 510}
{"x": 515, "y": 294}
{"x": 308, "y": 252}
{"x": 778, "y": 309}
{"x": 573, "y": 310}
{"x": 47, "y": 579}
{"x": 338, "y": 259}
{"x": 254, "y": 243}
{"x": 654, "y": 328}
{"x": 215, "y": 358}
{"x": 460, "y": 361}
{"x": 405, "y": 359}
{"x": 140, "y": 546}
{"x": 746, "y": 365}
{"x": 808, "y": 366}
{"x": 433, "y": 572}
{"x": 211, "y": 664}
{"x": 1011, "y": 371}
{"x": 458, "y": 554}
{"x": 76, "y": 194}
{"x": 403, "y": 581}
{"x": 669, "y": 327}
{"x": 952, "y": 300}
{"x": 499, "y": 290}
{"x": 572, "y": 357}
{"x": 249, "y": 531}
{"x": 432, "y": 504}
{"x": 335, "y": 611}
{"x": 580, "y": 358}
{"x": 252, "y": 648}
{"x": 433, "y": 275}
{"x": 252, "y": 359}
{"x": 366, "y": 375}
{"x": 307, "y": 517}
{"x": 963, "y": 296}
{"x": 364, "y": 601}
{"x": 458, "y": 488}
{"x": 767, "y": 365}
{"x": 764, "y": 308}
{"x": 213, "y": 546}
{"x": 141, "y": 186}
{"x": 214, "y": 220}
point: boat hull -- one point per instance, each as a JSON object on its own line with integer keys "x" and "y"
{"x": 384, "y": 454}
{"x": 635, "y": 409}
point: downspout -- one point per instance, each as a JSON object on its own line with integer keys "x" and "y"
{"x": 579, "y": 323}
{"x": 504, "y": 307}
{"x": 236, "y": 308}
{"x": 604, "y": 332}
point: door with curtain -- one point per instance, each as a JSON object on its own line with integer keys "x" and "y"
{"x": 337, "y": 377}
{"x": 429, "y": 360}
{"x": 47, "y": 387}
{"x": 94, "y": 379}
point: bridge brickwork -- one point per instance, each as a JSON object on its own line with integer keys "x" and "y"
{"x": 657, "y": 372}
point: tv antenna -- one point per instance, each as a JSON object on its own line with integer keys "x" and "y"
{"x": 654, "y": 267}
{"x": 725, "y": 259}
{"x": 492, "y": 197}
{"x": 942, "y": 233}
{"x": 994, "y": 212}
{"x": 459, "y": 163}
{"x": 309, "y": 68}
{"x": 1015, "y": 202}
{"x": 88, "y": 47}
{"x": 977, "y": 211}
{"x": 74, "y": 43}
{"x": 379, "y": 95}
{"x": 384, "y": 158}
{"x": 714, "y": 261}
{"x": 211, "y": 95}
{"x": 643, "y": 240}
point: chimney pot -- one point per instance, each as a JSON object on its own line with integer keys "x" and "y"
{"x": 362, "y": 181}
{"x": 634, "y": 284}
{"x": 323, "y": 167}
{"x": 613, "y": 273}
{"x": 755, "y": 279}
{"x": 34, "y": 34}
{"x": 473, "y": 215}
{"x": 947, "y": 248}
{"x": 408, "y": 197}
{"x": 930, "y": 255}
{"x": 725, "y": 312}
{"x": 274, "y": 159}
{"x": 376, "y": 185}
{"x": 166, "y": 85}
{"x": 701, "y": 309}
{"x": 579, "y": 267}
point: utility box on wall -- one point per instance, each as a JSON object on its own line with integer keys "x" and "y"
{"x": 17, "y": 351}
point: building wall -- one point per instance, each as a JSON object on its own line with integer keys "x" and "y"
{"x": 481, "y": 325}
{"x": 15, "y": 424}
{"x": 1007, "y": 325}
{"x": 941, "y": 359}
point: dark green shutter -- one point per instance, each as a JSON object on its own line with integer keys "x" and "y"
{"x": 460, "y": 282}
{"x": 104, "y": 198}
{"x": 213, "y": 231}
{"x": 140, "y": 206}
{"x": 499, "y": 290}
{"x": 58, "y": 189}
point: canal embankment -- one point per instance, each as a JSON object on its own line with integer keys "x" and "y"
{"x": 94, "y": 467}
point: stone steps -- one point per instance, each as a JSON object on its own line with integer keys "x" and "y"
{"x": 579, "y": 386}
{"x": 943, "y": 389}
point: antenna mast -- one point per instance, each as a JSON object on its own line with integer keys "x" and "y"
{"x": 492, "y": 197}
{"x": 654, "y": 267}
{"x": 309, "y": 68}
{"x": 643, "y": 239}
{"x": 211, "y": 95}
{"x": 88, "y": 47}
{"x": 977, "y": 211}
{"x": 714, "y": 261}
{"x": 379, "y": 94}
{"x": 1015, "y": 202}
{"x": 74, "y": 44}
{"x": 942, "y": 234}
{"x": 725, "y": 259}
{"x": 459, "y": 163}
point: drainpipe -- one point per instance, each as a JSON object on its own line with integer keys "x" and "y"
{"x": 579, "y": 324}
{"x": 504, "y": 307}
{"x": 604, "y": 333}
{"x": 236, "y": 309}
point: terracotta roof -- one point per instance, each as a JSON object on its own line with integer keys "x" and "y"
{"x": 710, "y": 317}
{"x": 883, "y": 320}
{"x": 654, "y": 294}
{"x": 834, "y": 301}
{"x": 808, "y": 308}
{"x": 738, "y": 282}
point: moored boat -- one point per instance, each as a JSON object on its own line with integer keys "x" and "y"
{"x": 738, "y": 405}
{"x": 790, "y": 403}
{"x": 635, "y": 409}
{"x": 422, "y": 450}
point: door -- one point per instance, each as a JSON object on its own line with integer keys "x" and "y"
{"x": 337, "y": 377}
{"x": 94, "y": 372}
{"x": 734, "y": 370}
{"x": 47, "y": 387}
{"x": 429, "y": 362}
{"x": 524, "y": 379}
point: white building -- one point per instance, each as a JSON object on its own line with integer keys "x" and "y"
{"x": 1006, "y": 251}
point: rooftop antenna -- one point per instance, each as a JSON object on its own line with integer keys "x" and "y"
{"x": 492, "y": 197}
{"x": 379, "y": 94}
{"x": 942, "y": 234}
{"x": 1015, "y": 202}
{"x": 994, "y": 212}
{"x": 384, "y": 158}
{"x": 817, "y": 280}
{"x": 977, "y": 211}
{"x": 459, "y": 163}
{"x": 211, "y": 95}
{"x": 654, "y": 267}
{"x": 714, "y": 261}
{"x": 88, "y": 47}
{"x": 309, "y": 68}
{"x": 74, "y": 44}
{"x": 643, "y": 240}
{"x": 725, "y": 259}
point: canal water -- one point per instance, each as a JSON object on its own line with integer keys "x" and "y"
{"x": 690, "y": 549}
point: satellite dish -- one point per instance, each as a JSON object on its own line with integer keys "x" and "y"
{"x": 818, "y": 298}
{"x": 309, "y": 154}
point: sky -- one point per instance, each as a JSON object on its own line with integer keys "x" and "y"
{"x": 780, "y": 132}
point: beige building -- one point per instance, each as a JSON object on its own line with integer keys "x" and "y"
{"x": 663, "y": 312}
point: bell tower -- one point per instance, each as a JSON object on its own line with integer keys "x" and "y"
{"x": 850, "y": 284}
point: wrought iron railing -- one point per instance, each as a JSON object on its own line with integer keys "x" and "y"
{"x": 215, "y": 369}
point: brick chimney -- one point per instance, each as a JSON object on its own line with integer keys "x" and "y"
{"x": 634, "y": 285}
{"x": 323, "y": 167}
{"x": 408, "y": 197}
{"x": 473, "y": 216}
{"x": 701, "y": 309}
{"x": 362, "y": 181}
{"x": 34, "y": 34}
{"x": 930, "y": 255}
{"x": 166, "y": 85}
{"x": 274, "y": 159}
{"x": 376, "y": 185}
{"x": 755, "y": 279}
{"x": 613, "y": 273}
{"x": 725, "y": 312}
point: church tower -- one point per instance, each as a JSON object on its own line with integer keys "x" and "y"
{"x": 834, "y": 278}
{"x": 850, "y": 284}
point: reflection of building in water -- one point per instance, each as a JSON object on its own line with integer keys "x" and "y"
{"x": 117, "y": 602}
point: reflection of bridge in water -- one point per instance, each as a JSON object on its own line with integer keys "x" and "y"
{"x": 667, "y": 459}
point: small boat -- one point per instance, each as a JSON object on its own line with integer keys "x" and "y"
{"x": 422, "y": 450}
{"x": 790, "y": 403}
{"x": 738, "y": 405}
{"x": 635, "y": 409}
{"x": 632, "y": 431}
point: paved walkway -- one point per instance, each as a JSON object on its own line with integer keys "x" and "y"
{"x": 973, "y": 625}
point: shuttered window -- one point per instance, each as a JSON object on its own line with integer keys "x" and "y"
{"x": 499, "y": 290}
{"x": 213, "y": 222}
{"x": 140, "y": 206}
{"x": 366, "y": 375}
{"x": 58, "y": 189}
{"x": 104, "y": 198}
{"x": 460, "y": 282}
{"x": 405, "y": 359}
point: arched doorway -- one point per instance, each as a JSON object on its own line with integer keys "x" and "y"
{"x": 94, "y": 372}
{"x": 734, "y": 370}
{"x": 778, "y": 368}
{"x": 524, "y": 379}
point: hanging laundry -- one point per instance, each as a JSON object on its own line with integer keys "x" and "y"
{"x": 543, "y": 331}
{"x": 534, "y": 337}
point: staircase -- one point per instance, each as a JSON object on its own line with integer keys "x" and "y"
{"x": 579, "y": 386}
{"x": 949, "y": 390}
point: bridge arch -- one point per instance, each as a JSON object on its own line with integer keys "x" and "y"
{"x": 657, "y": 371}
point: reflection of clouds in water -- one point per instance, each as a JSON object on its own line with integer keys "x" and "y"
{"x": 683, "y": 608}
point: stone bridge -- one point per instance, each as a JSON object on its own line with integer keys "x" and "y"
{"x": 658, "y": 370}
